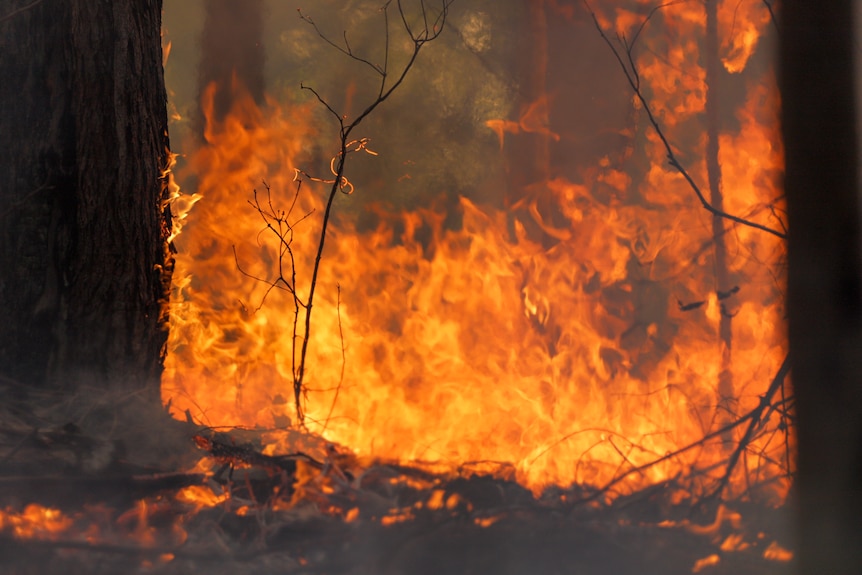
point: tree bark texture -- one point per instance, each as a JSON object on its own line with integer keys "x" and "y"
{"x": 84, "y": 218}
{"x": 825, "y": 279}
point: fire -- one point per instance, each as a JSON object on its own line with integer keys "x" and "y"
{"x": 35, "y": 521}
{"x": 481, "y": 348}
{"x": 742, "y": 24}
{"x": 94, "y": 525}
{"x": 532, "y": 121}
{"x": 776, "y": 552}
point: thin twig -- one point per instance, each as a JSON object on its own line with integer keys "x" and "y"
{"x": 276, "y": 284}
{"x": 343, "y": 360}
{"x": 347, "y": 50}
{"x": 23, "y": 200}
{"x": 278, "y": 222}
{"x": 19, "y": 10}
{"x": 320, "y": 99}
{"x": 419, "y": 40}
{"x": 772, "y": 15}
{"x": 786, "y": 423}
{"x": 754, "y": 416}
{"x": 650, "y": 15}
{"x": 754, "y": 420}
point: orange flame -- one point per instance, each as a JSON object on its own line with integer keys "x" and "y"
{"x": 479, "y": 348}
{"x": 35, "y": 521}
{"x": 742, "y": 25}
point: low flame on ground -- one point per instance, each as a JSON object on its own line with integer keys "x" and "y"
{"x": 34, "y": 522}
{"x": 776, "y": 552}
{"x": 201, "y": 495}
{"x": 707, "y": 561}
{"x": 480, "y": 347}
{"x": 97, "y": 525}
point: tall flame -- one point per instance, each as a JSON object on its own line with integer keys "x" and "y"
{"x": 481, "y": 347}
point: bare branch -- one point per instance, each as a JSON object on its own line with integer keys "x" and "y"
{"x": 630, "y": 70}
{"x": 755, "y": 420}
{"x": 755, "y": 417}
{"x": 430, "y": 31}
{"x": 20, "y": 10}
{"x": 343, "y": 361}
{"x": 278, "y": 283}
{"x": 347, "y": 50}
{"x": 648, "y": 18}
{"x": 772, "y": 16}
{"x": 338, "y": 116}
{"x": 385, "y": 47}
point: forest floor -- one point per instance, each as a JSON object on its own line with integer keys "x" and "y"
{"x": 111, "y": 486}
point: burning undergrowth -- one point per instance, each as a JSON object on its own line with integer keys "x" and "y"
{"x": 79, "y": 499}
{"x": 553, "y": 380}
{"x": 559, "y": 336}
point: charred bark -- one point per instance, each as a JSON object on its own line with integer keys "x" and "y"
{"x": 83, "y": 197}
{"x": 825, "y": 279}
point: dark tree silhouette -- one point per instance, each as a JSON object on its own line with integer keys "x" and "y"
{"x": 84, "y": 218}
{"x": 824, "y": 283}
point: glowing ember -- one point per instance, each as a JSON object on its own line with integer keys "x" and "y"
{"x": 34, "y": 522}
{"x": 776, "y": 552}
{"x": 707, "y": 561}
{"x": 481, "y": 347}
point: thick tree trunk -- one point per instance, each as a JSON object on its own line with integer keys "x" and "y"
{"x": 825, "y": 279}
{"x": 83, "y": 213}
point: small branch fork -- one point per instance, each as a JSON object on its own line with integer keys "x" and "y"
{"x": 755, "y": 419}
{"x": 430, "y": 31}
{"x": 429, "y": 26}
{"x": 281, "y": 224}
{"x": 343, "y": 362}
{"x": 626, "y": 60}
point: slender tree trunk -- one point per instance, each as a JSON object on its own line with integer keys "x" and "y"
{"x": 713, "y": 168}
{"x": 539, "y": 160}
{"x": 83, "y": 213}
{"x": 825, "y": 279}
{"x": 232, "y": 55}
{"x": 528, "y": 155}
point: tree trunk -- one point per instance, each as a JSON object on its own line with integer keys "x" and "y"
{"x": 84, "y": 219}
{"x": 528, "y": 153}
{"x": 825, "y": 279}
{"x": 232, "y": 54}
{"x": 726, "y": 397}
